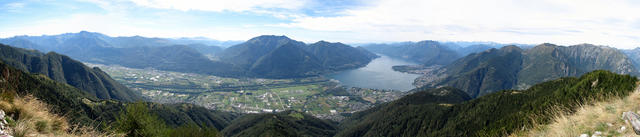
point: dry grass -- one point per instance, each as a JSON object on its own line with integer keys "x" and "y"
{"x": 28, "y": 116}
{"x": 604, "y": 117}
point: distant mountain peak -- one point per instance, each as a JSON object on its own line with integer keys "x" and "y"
{"x": 585, "y": 44}
{"x": 544, "y": 47}
{"x": 84, "y": 32}
{"x": 271, "y": 39}
{"x": 322, "y": 41}
{"x": 548, "y": 45}
{"x": 428, "y": 42}
{"x": 281, "y": 57}
{"x": 326, "y": 43}
{"x": 265, "y": 37}
{"x": 511, "y": 48}
{"x": 511, "y": 67}
{"x": 592, "y": 45}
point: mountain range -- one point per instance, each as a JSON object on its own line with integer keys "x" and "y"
{"x": 66, "y": 70}
{"x": 263, "y": 56}
{"x": 426, "y": 112}
{"x": 450, "y": 112}
{"x": 511, "y": 67}
{"x": 134, "y": 52}
{"x": 428, "y": 52}
{"x": 281, "y": 57}
{"x": 84, "y": 109}
{"x": 479, "y": 91}
{"x": 634, "y": 55}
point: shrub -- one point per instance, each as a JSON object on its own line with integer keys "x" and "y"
{"x": 137, "y": 121}
{"x": 8, "y": 96}
{"x": 21, "y": 129}
{"x": 58, "y": 125}
{"x": 42, "y": 126}
{"x": 192, "y": 130}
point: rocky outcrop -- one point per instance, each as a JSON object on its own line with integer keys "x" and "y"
{"x": 633, "y": 119}
{"x": 4, "y": 127}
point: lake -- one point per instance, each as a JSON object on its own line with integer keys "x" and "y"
{"x": 377, "y": 74}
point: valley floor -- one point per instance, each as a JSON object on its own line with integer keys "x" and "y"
{"x": 317, "y": 96}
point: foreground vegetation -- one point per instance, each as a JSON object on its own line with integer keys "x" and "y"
{"x": 603, "y": 117}
{"x": 287, "y": 123}
{"x": 137, "y": 121}
{"x": 496, "y": 114}
{"x": 28, "y": 116}
{"x": 63, "y": 69}
{"x": 103, "y": 116}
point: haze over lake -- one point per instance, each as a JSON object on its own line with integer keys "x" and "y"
{"x": 378, "y": 74}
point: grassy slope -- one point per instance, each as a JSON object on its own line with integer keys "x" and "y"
{"x": 30, "y": 116}
{"x": 604, "y": 116}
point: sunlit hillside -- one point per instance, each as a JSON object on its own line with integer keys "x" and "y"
{"x": 602, "y": 118}
{"x": 28, "y": 116}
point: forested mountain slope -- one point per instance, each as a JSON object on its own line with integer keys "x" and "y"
{"x": 513, "y": 68}
{"x": 281, "y": 57}
{"x": 182, "y": 55}
{"x": 66, "y": 70}
{"x": 495, "y": 114}
{"x": 84, "y": 109}
{"x": 287, "y": 123}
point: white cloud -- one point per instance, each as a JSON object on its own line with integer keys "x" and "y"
{"x": 612, "y": 22}
{"x": 567, "y": 22}
{"x": 121, "y": 25}
{"x": 14, "y": 7}
{"x": 222, "y": 5}
{"x": 72, "y": 23}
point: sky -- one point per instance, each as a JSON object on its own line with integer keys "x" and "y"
{"x": 614, "y": 23}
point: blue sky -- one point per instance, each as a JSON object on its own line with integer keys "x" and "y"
{"x": 604, "y": 22}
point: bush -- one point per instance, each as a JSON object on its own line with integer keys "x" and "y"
{"x": 42, "y": 126}
{"x": 8, "y": 96}
{"x": 192, "y": 130}
{"x": 21, "y": 129}
{"x": 57, "y": 125}
{"x": 137, "y": 121}
{"x": 10, "y": 121}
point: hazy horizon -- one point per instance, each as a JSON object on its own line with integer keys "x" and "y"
{"x": 381, "y": 21}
